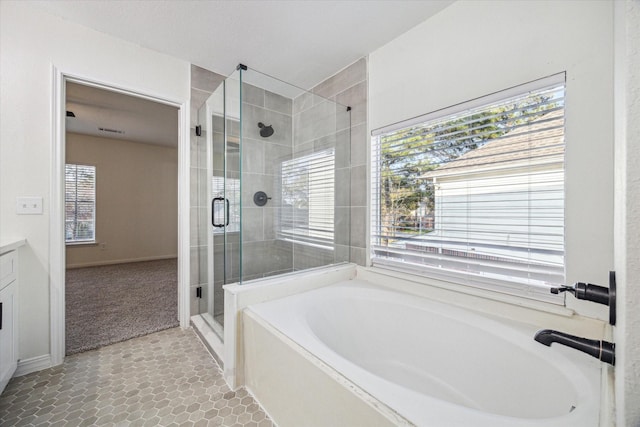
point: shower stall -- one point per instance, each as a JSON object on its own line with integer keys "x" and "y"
{"x": 276, "y": 192}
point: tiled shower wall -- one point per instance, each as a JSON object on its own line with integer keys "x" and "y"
{"x": 262, "y": 253}
{"x": 349, "y": 87}
{"x": 203, "y": 83}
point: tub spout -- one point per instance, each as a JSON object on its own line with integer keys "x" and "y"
{"x": 602, "y": 350}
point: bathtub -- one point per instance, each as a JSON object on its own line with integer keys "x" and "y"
{"x": 422, "y": 362}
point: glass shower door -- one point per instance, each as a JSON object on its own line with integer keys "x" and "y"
{"x": 219, "y": 118}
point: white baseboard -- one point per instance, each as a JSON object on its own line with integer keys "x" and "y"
{"x": 120, "y": 261}
{"x": 33, "y": 364}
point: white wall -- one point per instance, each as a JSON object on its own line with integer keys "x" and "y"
{"x": 136, "y": 200}
{"x": 474, "y": 48}
{"x": 627, "y": 202}
{"x": 31, "y": 41}
{"x": 442, "y": 62}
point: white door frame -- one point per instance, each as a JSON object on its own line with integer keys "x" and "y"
{"x": 56, "y": 217}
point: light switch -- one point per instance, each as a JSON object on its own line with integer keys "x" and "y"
{"x": 29, "y": 206}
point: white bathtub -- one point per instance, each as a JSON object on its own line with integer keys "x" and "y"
{"x": 436, "y": 364}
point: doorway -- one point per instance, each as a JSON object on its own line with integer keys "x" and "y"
{"x": 125, "y": 253}
{"x": 121, "y": 217}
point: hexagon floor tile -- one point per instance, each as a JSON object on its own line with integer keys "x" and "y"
{"x": 163, "y": 379}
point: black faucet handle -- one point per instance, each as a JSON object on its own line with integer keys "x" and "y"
{"x": 563, "y": 288}
{"x": 589, "y": 292}
{"x": 594, "y": 293}
{"x": 586, "y": 291}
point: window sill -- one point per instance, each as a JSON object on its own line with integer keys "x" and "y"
{"x": 87, "y": 243}
{"x": 470, "y": 293}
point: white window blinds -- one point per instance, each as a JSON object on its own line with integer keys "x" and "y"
{"x": 80, "y": 203}
{"x": 308, "y": 199}
{"x": 476, "y": 196}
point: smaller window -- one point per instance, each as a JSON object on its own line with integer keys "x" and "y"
{"x": 80, "y": 203}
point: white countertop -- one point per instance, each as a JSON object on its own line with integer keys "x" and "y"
{"x": 7, "y": 245}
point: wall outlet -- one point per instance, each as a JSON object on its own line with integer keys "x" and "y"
{"x": 29, "y": 205}
{"x": 103, "y": 246}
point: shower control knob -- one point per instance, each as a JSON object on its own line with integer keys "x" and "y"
{"x": 260, "y": 198}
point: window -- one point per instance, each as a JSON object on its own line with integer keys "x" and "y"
{"x": 308, "y": 199}
{"x": 80, "y": 203}
{"x": 474, "y": 194}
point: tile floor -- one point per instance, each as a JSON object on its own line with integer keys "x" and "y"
{"x": 167, "y": 378}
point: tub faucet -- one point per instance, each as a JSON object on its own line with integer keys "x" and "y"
{"x": 602, "y": 350}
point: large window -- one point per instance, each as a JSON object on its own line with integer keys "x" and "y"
{"x": 474, "y": 194}
{"x": 308, "y": 199}
{"x": 80, "y": 203}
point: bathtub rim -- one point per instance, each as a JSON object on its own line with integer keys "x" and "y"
{"x": 593, "y": 396}
{"x": 566, "y": 320}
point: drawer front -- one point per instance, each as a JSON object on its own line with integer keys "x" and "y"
{"x": 8, "y": 267}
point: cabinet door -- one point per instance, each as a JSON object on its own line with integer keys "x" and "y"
{"x": 8, "y": 350}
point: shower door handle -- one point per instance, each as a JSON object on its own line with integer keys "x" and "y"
{"x": 213, "y": 211}
{"x": 228, "y": 211}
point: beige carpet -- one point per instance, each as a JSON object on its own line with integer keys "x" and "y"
{"x": 108, "y": 304}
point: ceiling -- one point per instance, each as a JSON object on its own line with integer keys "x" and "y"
{"x": 302, "y": 42}
{"x": 115, "y": 115}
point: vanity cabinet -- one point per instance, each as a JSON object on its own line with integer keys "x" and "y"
{"x": 8, "y": 316}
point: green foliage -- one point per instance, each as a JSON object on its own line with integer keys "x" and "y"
{"x": 407, "y": 155}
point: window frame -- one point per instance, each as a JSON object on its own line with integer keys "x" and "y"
{"x": 500, "y": 285}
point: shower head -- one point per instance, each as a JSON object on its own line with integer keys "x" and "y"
{"x": 265, "y": 131}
